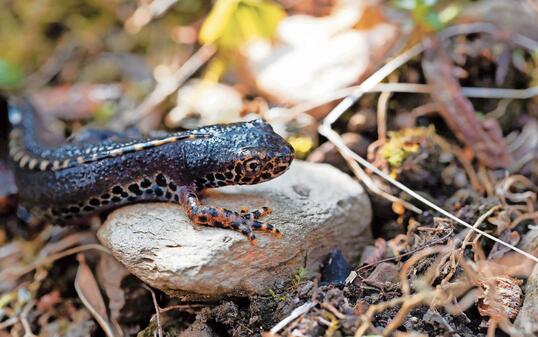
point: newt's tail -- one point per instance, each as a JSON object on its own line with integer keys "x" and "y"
{"x": 27, "y": 132}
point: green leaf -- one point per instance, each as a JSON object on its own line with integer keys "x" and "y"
{"x": 217, "y": 21}
{"x": 10, "y": 75}
{"x": 433, "y": 21}
{"x": 232, "y": 23}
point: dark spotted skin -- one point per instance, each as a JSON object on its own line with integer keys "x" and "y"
{"x": 99, "y": 171}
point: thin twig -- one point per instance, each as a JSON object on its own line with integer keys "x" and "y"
{"x": 169, "y": 85}
{"x": 24, "y": 319}
{"x": 382, "y": 104}
{"x": 147, "y": 12}
{"x": 303, "y": 309}
{"x": 8, "y": 323}
{"x": 478, "y": 222}
{"x": 157, "y": 309}
{"x": 374, "y": 188}
{"x": 413, "y": 88}
{"x": 436, "y": 241}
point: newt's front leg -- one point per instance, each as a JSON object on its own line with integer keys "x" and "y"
{"x": 223, "y": 218}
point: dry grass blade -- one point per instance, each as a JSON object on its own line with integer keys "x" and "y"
{"x": 17, "y": 271}
{"x": 336, "y": 140}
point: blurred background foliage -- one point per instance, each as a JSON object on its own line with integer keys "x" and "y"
{"x": 34, "y": 32}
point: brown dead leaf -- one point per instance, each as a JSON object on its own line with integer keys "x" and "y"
{"x": 484, "y": 137}
{"x": 376, "y": 254}
{"x": 124, "y": 292}
{"x": 47, "y": 301}
{"x": 498, "y": 250}
{"x": 88, "y": 292}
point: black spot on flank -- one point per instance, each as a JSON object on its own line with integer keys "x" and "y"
{"x": 172, "y": 186}
{"x": 105, "y": 202}
{"x": 88, "y": 208}
{"x": 229, "y": 175}
{"x": 145, "y": 183}
{"x": 280, "y": 169}
{"x": 159, "y": 192}
{"x": 168, "y": 195}
{"x": 246, "y": 180}
{"x": 220, "y": 183}
{"x": 237, "y": 178}
{"x": 176, "y": 197}
{"x": 269, "y": 166}
{"x": 149, "y": 191}
{"x": 266, "y": 175}
{"x": 131, "y": 198}
{"x": 116, "y": 199}
{"x": 64, "y": 210}
{"x": 135, "y": 189}
{"x": 220, "y": 176}
{"x": 95, "y": 202}
{"x": 74, "y": 209}
{"x": 237, "y": 168}
{"x": 255, "y": 180}
{"x": 218, "y": 224}
{"x": 55, "y": 212}
{"x": 105, "y": 196}
{"x": 202, "y": 218}
{"x": 160, "y": 180}
{"x": 236, "y": 225}
{"x": 68, "y": 217}
{"x": 117, "y": 190}
{"x": 124, "y": 194}
{"x": 210, "y": 177}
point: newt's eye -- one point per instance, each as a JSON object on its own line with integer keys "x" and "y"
{"x": 252, "y": 166}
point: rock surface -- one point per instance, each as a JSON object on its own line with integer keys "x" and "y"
{"x": 317, "y": 208}
{"x": 526, "y": 319}
{"x": 526, "y": 322}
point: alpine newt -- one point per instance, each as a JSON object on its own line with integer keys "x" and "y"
{"x": 100, "y": 171}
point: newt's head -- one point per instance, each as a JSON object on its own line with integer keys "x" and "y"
{"x": 240, "y": 154}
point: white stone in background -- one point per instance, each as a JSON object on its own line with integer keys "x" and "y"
{"x": 315, "y": 56}
{"x": 317, "y": 207}
{"x": 293, "y": 74}
{"x": 306, "y": 30}
{"x": 211, "y": 102}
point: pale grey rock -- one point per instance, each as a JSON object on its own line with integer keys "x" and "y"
{"x": 317, "y": 208}
{"x": 527, "y": 320}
